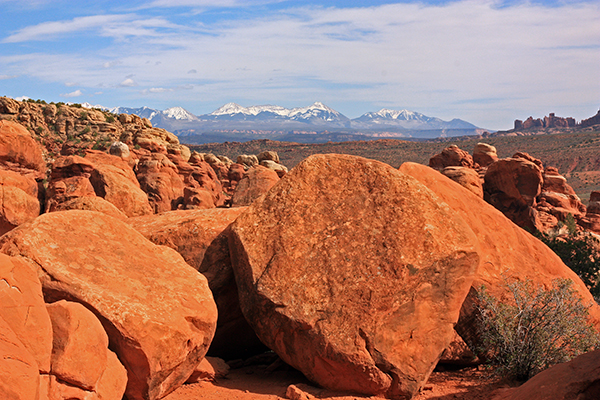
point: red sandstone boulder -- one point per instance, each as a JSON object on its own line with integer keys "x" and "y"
{"x": 354, "y": 273}
{"x": 90, "y": 204}
{"x": 22, "y": 308}
{"x": 19, "y": 152}
{"x": 592, "y": 216}
{"x": 506, "y": 251}
{"x": 117, "y": 187}
{"x": 19, "y": 376}
{"x": 451, "y": 156}
{"x": 210, "y": 369}
{"x": 512, "y": 185}
{"x": 576, "y": 379}
{"x": 158, "y": 311}
{"x": 80, "y": 345}
{"x": 19, "y": 200}
{"x": 200, "y": 237}
{"x": 484, "y": 154}
{"x": 558, "y": 198}
{"x": 257, "y": 181}
{"x": 158, "y": 177}
{"x": 466, "y": 177}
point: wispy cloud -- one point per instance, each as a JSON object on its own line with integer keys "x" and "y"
{"x": 116, "y": 26}
{"x": 3, "y": 77}
{"x": 434, "y": 59}
{"x": 128, "y": 83}
{"x": 76, "y": 93}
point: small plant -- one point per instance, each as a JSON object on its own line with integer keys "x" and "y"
{"x": 83, "y": 115}
{"x": 536, "y": 329}
{"x": 579, "y": 251}
{"x": 109, "y": 118}
{"x": 85, "y": 130}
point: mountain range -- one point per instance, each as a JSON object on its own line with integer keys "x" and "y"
{"x": 315, "y": 123}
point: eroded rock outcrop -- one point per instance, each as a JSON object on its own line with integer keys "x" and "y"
{"x": 158, "y": 311}
{"x": 505, "y": 250}
{"x": 576, "y": 379}
{"x": 80, "y": 355}
{"x": 257, "y": 181}
{"x": 451, "y": 156}
{"x": 21, "y": 166}
{"x": 354, "y": 273}
{"x": 200, "y": 237}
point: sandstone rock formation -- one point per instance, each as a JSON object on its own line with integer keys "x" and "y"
{"x": 484, "y": 154}
{"x": 23, "y": 310}
{"x": 353, "y": 273}
{"x": 451, "y": 156}
{"x": 200, "y": 237}
{"x": 21, "y": 164}
{"x": 80, "y": 355}
{"x": 158, "y": 311}
{"x": 467, "y": 177}
{"x": 505, "y": 250}
{"x": 257, "y": 181}
{"x": 19, "y": 376}
{"x": 512, "y": 185}
{"x": 576, "y": 379}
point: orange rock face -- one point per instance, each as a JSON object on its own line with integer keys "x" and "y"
{"x": 466, "y": 177}
{"x": 18, "y": 151}
{"x": 198, "y": 235}
{"x": 158, "y": 311}
{"x": 18, "y": 200}
{"x": 354, "y": 273}
{"x": 19, "y": 376}
{"x": 80, "y": 345}
{"x": 506, "y": 251}
{"x": 512, "y": 185}
{"x": 22, "y": 307}
{"x": 576, "y": 379}
{"x": 257, "y": 181}
{"x": 91, "y": 204}
{"x": 451, "y": 156}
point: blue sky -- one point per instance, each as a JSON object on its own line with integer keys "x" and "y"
{"x": 484, "y": 61}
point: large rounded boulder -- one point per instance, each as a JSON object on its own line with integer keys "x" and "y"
{"x": 354, "y": 273}
{"x": 158, "y": 311}
{"x": 201, "y": 237}
{"x": 507, "y": 252}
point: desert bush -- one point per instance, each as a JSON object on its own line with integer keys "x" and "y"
{"x": 579, "y": 251}
{"x": 535, "y": 329}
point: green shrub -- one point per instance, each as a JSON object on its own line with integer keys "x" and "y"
{"x": 83, "y": 115}
{"x": 579, "y": 251}
{"x": 109, "y": 118}
{"x": 542, "y": 327}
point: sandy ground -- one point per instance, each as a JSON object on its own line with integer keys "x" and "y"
{"x": 259, "y": 382}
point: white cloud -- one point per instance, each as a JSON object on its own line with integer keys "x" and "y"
{"x": 3, "y": 77}
{"x": 128, "y": 83}
{"x": 76, "y": 93}
{"x": 22, "y": 98}
{"x": 116, "y": 26}
{"x": 70, "y": 84}
{"x": 468, "y": 59}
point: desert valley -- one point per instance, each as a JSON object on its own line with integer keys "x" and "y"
{"x": 136, "y": 265}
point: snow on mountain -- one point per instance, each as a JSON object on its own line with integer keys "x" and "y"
{"x": 407, "y": 119}
{"x": 315, "y": 114}
{"x": 179, "y": 113}
{"x": 88, "y": 105}
{"x": 315, "y": 117}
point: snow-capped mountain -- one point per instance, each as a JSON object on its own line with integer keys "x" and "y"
{"x": 264, "y": 120}
{"x": 315, "y": 114}
{"x": 179, "y": 113}
{"x": 385, "y": 118}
